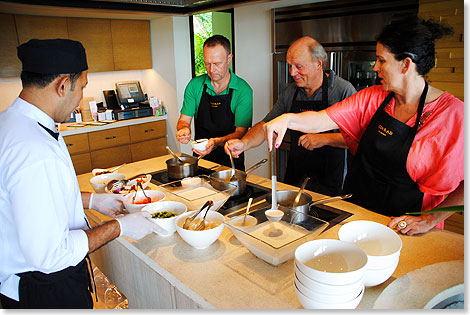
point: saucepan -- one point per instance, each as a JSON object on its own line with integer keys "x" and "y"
{"x": 181, "y": 166}
{"x": 286, "y": 198}
{"x": 223, "y": 178}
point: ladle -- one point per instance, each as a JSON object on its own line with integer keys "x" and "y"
{"x": 330, "y": 199}
{"x": 174, "y": 155}
{"x": 297, "y": 198}
{"x": 274, "y": 214}
{"x": 233, "y": 166}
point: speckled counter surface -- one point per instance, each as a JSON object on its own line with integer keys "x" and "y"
{"x": 159, "y": 272}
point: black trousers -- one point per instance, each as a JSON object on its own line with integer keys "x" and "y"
{"x": 66, "y": 289}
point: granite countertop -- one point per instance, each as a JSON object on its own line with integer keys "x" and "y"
{"x": 227, "y": 276}
{"x": 66, "y": 129}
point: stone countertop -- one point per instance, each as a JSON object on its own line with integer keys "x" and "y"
{"x": 67, "y": 130}
{"x": 227, "y": 276}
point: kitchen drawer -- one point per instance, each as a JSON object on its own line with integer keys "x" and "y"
{"x": 108, "y": 138}
{"x": 148, "y": 149}
{"x": 109, "y": 157}
{"x": 81, "y": 163}
{"x": 77, "y": 143}
{"x": 147, "y": 131}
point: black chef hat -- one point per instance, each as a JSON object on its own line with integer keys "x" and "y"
{"x": 52, "y": 56}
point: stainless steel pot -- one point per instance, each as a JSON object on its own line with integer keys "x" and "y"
{"x": 220, "y": 180}
{"x": 286, "y": 198}
{"x": 178, "y": 170}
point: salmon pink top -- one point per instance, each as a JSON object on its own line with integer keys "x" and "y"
{"x": 436, "y": 157}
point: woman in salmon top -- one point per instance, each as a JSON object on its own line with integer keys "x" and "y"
{"x": 407, "y": 137}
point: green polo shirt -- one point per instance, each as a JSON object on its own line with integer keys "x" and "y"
{"x": 242, "y": 98}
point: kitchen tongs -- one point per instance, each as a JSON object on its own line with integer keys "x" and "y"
{"x": 187, "y": 222}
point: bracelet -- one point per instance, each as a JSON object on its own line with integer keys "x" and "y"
{"x": 91, "y": 201}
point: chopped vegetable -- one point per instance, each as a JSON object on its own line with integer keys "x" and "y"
{"x": 163, "y": 214}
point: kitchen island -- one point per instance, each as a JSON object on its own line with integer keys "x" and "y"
{"x": 166, "y": 272}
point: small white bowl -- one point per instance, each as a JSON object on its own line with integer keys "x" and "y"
{"x": 99, "y": 182}
{"x": 168, "y": 224}
{"x": 200, "y": 239}
{"x": 157, "y": 196}
{"x": 330, "y": 289}
{"x": 200, "y": 144}
{"x": 331, "y": 261}
{"x": 373, "y": 277}
{"x": 311, "y": 303}
{"x": 381, "y": 244}
{"x": 327, "y": 298}
{"x": 238, "y": 221}
{"x": 191, "y": 181}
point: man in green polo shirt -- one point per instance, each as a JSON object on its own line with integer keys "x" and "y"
{"x": 220, "y": 101}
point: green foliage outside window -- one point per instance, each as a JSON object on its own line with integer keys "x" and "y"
{"x": 202, "y": 31}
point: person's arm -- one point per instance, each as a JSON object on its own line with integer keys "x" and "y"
{"x": 311, "y": 141}
{"x": 307, "y": 122}
{"x": 220, "y": 141}
{"x": 183, "y": 128}
{"x": 252, "y": 138}
{"x": 102, "y": 234}
{"x": 426, "y": 221}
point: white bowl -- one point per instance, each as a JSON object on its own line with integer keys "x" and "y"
{"x": 168, "y": 224}
{"x": 200, "y": 144}
{"x": 312, "y": 303}
{"x": 157, "y": 196}
{"x": 330, "y": 289}
{"x": 373, "y": 277}
{"x": 200, "y": 239}
{"x": 331, "y": 261}
{"x": 381, "y": 244}
{"x": 327, "y": 298}
{"x": 99, "y": 182}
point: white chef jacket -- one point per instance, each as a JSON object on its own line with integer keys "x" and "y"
{"x": 41, "y": 210}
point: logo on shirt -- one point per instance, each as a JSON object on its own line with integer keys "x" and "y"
{"x": 215, "y": 104}
{"x": 384, "y": 131}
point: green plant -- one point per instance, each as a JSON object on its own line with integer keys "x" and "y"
{"x": 202, "y": 31}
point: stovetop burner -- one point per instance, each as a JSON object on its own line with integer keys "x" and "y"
{"x": 326, "y": 213}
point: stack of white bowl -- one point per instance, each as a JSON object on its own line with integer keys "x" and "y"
{"x": 329, "y": 274}
{"x": 381, "y": 244}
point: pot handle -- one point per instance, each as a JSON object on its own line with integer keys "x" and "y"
{"x": 256, "y": 165}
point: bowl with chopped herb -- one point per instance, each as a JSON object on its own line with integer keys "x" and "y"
{"x": 164, "y": 214}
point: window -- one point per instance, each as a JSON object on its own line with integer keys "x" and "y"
{"x": 203, "y": 26}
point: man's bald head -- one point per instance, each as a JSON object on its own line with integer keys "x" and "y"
{"x": 314, "y": 47}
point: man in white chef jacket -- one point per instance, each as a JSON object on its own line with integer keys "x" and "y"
{"x": 45, "y": 236}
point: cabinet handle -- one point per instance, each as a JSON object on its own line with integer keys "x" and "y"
{"x": 148, "y": 130}
{"x": 109, "y": 138}
{"x": 69, "y": 144}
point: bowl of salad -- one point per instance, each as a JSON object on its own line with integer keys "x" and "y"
{"x": 135, "y": 201}
{"x": 164, "y": 214}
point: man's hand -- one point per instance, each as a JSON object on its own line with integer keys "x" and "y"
{"x": 235, "y": 146}
{"x": 137, "y": 225}
{"x": 311, "y": 141}
{"x": 183, "y": 135}
{"x": 211, "y": 145}
{"x": 107, "y": 204}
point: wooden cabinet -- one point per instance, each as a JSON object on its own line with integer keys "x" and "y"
{"x": 131, "y": 44}
{"x": 95, "y": 35}
{"x": 115, "y": 146}
{"x": 10, "y": 65}
{"x": 40, "y": 27}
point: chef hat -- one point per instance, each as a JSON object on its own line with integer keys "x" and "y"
{"x": 52, "y": 56}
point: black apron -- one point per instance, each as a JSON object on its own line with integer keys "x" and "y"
{"x": 66, "y": 289}
{"x": 378, "y": 179}
{"x": 214, "y": 118}
{"x": 326, "y": 165}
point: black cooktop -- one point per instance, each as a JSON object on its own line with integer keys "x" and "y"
{"x": 259, "y": 193}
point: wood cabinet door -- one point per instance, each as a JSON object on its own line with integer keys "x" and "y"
{"x": 10, "y": 65}
{"x": 40, "y": 27}
{"x": 148, "y": 149}
{"x": 81, "y": 163}
{"x": 108, "y": 138}
{"x": 147, "y": 131}
{"x": 77, "y": 143}
{"x": 111, "y": 157}
{"x": 131, "y": 44}
{"x": 95, "y": 36}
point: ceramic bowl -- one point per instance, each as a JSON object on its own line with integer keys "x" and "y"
{"x": 330, "y": 289}
{"x": 331, "y": 261}
{"x": 381, "y": 244}
{"x": 373, "y": 277}
{"x": 201, "y": 239}
{"x": 135, "y": 206}
{"x": 327, "y": 298}
{"x": 199, "y": 144}
{"x": 168, "y": 224}
{"x": 312, "y": 303}
{"x": 99, "y": 182}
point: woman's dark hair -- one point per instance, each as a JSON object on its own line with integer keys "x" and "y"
{"x": 218, "y": 40}
{"x": 414, "y": 37}
{"x": 42, "y": 80}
